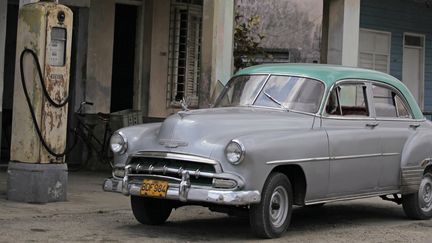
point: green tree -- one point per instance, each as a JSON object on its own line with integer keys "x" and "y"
{"x": 247, "y": 40}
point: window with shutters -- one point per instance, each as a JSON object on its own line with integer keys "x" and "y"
{"x": 184, "y": 52}
{"x": 374, "y": 50}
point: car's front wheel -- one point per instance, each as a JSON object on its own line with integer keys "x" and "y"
{"x": 150, "y": 210}
{"x": 271, "y": 217}
{"x": 419, "y": 205}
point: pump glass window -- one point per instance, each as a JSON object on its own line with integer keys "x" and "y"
{"x": 57, "y": 47}
{"x": 348, "y": 100}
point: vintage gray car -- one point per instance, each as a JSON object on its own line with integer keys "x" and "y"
{"x": 278, "y": 136}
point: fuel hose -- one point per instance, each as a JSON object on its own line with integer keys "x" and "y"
{"x": 47, "y": 96}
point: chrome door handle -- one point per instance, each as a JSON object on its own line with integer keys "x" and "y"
{"x": 372, "y": 124}
{"x": 414, "y": 125}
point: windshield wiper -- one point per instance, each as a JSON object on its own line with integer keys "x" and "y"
{"x": 275, "y": 101}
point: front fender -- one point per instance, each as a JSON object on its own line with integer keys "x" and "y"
{"x": 136, "y": 136}
{"x": 266, "y": 151}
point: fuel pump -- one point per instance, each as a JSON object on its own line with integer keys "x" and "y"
{"x": 37, "y": 172}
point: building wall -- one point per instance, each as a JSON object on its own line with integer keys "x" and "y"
{"x": 100, "y": 55}
{"x": 159, "y": 59}
{"x": 397, "y": 17}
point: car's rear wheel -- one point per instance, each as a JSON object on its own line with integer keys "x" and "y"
{"x": 419, "y": 205}
{"x": 150, "y": 210}
{"x": 271, "y": 217}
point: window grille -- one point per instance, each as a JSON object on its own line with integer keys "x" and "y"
{"x": 184, "y": 52}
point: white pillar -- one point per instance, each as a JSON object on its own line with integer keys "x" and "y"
{"x": 223, "y": 34}
{"x": 343, "y": 32}
{"x": 218, "y": 39}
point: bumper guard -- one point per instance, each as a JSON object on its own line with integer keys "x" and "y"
{"x": 184, "y": 192}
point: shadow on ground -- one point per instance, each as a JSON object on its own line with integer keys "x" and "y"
{"x": 226, "y": 228}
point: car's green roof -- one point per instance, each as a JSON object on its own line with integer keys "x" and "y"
{"x": 330, "y": 74}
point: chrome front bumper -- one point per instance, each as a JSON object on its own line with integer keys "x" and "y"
{"x": 185, "y": 192}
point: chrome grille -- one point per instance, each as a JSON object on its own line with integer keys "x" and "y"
{"x": 200, "y": 173}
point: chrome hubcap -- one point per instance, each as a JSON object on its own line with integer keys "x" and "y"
{"x": 278, "y": 207}
{"x": 425, "y": 194}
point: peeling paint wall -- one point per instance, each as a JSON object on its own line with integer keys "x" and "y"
{"x": 100, "y": 55}
{"x": 159, "y": 59}
{"x": 216, "y": 56}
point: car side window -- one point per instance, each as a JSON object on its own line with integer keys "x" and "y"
{"x": 388, "y": 103}
{"x": 348, "y": 100}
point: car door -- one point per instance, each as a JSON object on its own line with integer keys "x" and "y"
{"x": 395, "y": 126}
{"x": 354, "y": 148}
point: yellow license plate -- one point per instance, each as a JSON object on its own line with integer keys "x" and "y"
{"x": 154, "y": 188}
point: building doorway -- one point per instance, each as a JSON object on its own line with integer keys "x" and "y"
{"x": 123, "y": 71}
{"x": 9, "y": 78}
{"x": 413, "y": 65}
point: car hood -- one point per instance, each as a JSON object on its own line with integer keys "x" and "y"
{"x": 200, "y": 131}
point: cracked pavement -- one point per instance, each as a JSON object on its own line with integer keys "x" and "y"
{"x": 96, "y": 216}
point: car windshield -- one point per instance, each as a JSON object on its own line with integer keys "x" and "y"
{"x": 241, "y": 91}
{"x": 286, "y": 92}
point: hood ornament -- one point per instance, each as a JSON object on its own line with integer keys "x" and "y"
{"x": 184, "y": 104}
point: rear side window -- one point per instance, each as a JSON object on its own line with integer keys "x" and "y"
{"x": 388, "y": 103}
{"x": 348, "y": 100}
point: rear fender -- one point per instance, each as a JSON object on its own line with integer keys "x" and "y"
{"x": 416, "y": 156}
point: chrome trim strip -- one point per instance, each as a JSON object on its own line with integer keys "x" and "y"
{"x": 283, "y": 109}
{"x": 352, "y": 197}
{"x": 354, "y": 118}
{"x": 411, "y": 177}
{"x": 426, "y": 162}
{"x": 134, "y": 176}
{"x": 400, "y": 119}
{"x": 330, "y": 158}
{"x": 355, "y": 156}
{"x": 297, "y": 160}
{"x": 390, "y": 154}
{"x": 176, "y": 156}
{"x": 165, "y": 169}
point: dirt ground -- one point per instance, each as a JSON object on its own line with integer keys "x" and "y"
{"x": 95, "y": 216}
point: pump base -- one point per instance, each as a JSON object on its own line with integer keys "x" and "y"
{"x": 37, "y": 183}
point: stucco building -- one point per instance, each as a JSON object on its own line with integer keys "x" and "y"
{"x": 147, "y": 55}
{"x": 143, "y": 55}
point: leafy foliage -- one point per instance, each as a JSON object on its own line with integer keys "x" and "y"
{"x": 247, "y": 41}
{"x": 291, "y": 25}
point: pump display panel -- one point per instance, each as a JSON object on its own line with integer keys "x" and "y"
{"x": 57, "y": 47}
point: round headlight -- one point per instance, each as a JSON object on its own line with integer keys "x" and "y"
{"x": 234, "y": 152}
{"x": 118, "y": 143}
